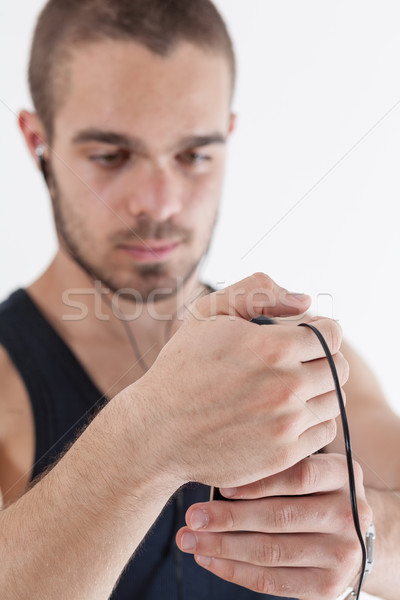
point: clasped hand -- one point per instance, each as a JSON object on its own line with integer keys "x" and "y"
{"x": 289, "y": 535}
{"x": 230, "y": 402}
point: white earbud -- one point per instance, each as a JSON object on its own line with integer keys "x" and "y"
{"x": 39, "y": 150}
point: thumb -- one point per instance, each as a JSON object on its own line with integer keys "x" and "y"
{"x": 251, "y": 297}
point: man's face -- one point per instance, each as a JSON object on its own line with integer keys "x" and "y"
{"x": 138, "y": 161}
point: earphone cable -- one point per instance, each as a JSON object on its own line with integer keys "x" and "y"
{"x": 349, "y": 455}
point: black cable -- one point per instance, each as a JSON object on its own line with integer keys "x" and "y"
{"x": 349, "y": 456}
{"x": 262, "y": 320}
{"x": 43, "y": 165}
{"x": 178, "y": 554}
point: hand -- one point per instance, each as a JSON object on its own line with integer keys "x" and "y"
{"x": 289, "y": 535}
{"x": 230, "y": 402}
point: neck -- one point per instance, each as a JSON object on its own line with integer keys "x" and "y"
{"x": 73, "y": 301}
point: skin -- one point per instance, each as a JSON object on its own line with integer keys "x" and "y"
{"x": 264, "y": 562}
{"x": 135, "y": 180}
{"x": 305, "y": 545}
{"x": 155, "y": 183}
{"x": 272, "y": 393}
{"x": 167, "y": 190}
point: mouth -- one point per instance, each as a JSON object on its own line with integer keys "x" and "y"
{"x": 150, "y": 251}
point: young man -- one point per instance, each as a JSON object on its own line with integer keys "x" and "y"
{"x": 119, "y": 360}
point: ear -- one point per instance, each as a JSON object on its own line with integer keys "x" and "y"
{"x": 33, "y": 132}
{"x": 232, "y": 123}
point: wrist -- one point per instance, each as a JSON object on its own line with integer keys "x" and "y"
{"x": 145, "y": 440}
{"x": 351, "y": 592}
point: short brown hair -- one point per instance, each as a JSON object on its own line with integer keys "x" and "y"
{"x": 157, "y": 24}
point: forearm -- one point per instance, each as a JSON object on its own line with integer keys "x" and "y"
{"x": 384, "y": 580}
{"x": 72, "y": 534}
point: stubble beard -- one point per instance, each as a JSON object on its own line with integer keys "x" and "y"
{"x": 146, "y": 275}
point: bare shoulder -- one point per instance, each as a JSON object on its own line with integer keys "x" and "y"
{"x": 16, "y": 431}
{"x": 374, "y": 425}
{"x": 363, "y": 384}
{"x": 13, "y": 395}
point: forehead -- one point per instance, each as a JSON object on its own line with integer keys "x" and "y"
{"x": 122, "y": 86}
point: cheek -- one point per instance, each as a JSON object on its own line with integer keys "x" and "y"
{"x": 83, "y": 212}
{"x": 204, "y": 198}
{"x": 80, "y": 187}
{"x": 79, "y": 181}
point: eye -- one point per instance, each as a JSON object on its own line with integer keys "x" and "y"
{"x": 110, "y": 160}
{"x": 191, "y": 157}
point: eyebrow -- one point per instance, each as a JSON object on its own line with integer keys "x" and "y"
{"x": 136, "y": 145}
{"x": 108, "y": 137}
{"x": 196, "y": 141}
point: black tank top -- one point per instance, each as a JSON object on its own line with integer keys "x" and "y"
{"x": 64, "y": 399}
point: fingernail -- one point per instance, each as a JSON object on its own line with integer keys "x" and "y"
{"x": 296, "y": 296}
{"x": 188, "y": 541}
{"x": 228, "y": 492}
{"x": 204, "y": 561}
{"x": 198, "y": 519}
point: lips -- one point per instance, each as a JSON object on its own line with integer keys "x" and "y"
{"x": 151, "y": 251}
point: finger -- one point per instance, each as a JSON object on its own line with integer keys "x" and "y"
{"x": 321, "y": 409}
{"x": 251, "y": 297}
{"x": 278, "y": 346}
{"x": 323, "y": 513}
{"x": 302, "y": 583}
{"x": 330, "y": 330}
{"x": 328, "y": 513}
{"x": 315, "y": 377}
{"x": 316, "y": 438}
{"x": 268, "y": 550}
{"x": 317, "y": 473}
{"x": 311, "y": 389}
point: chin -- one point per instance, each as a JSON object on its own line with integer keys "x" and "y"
{"x": 146, "y": 280}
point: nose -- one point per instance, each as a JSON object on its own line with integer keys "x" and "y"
{"x": 155, "y": 191}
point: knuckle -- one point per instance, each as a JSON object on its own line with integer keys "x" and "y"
{"x": 218, "y": 546}
{"x": 268, "y": 554}
{"x": 347, "y": 554}
{"x": 333, "y": 335}
{"x": 308, "y": 475}
{"x": 277, "y": 354}
{"x": 330, "y": 588}
{"x": 261, "y": 280}
{"x": 283, "y": 517}
{"x": 365, "y": 514}
{"x": 353, "y": 554}
{"x": 358, "y": 474}
{"x": 228, "y": 519}
{"x": 285, "y": 428}
{"x": 229, "y": 571}
{"x": 262, "y": 488}
{"x": 342, "y": 368}
{"x": 287, "y": 393}
{"x": 264, "y": 582}
{"x": 346, "y": 518}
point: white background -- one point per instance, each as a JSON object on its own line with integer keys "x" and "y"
{"x": 312, "y": 188}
